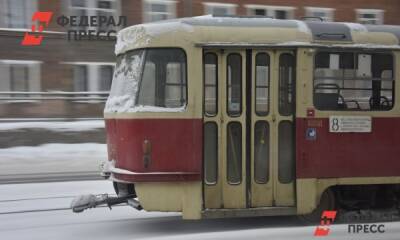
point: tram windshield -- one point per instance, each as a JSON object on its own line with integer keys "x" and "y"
{"x": 150, "y": 79}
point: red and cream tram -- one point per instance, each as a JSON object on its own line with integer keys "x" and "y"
{"x": 230, "y": 116}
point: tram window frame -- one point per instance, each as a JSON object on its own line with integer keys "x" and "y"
{"x": 262, "y": 177}
{"x": 286, "y": 158}
{"x": 268, "y": 86}
{"x": 286, "y": 86}
{"x": 184, "y": 94}
{"x": 215, "y": 149}
{"x": 230, "y": 175}
{"x": 353, "y": 67}
{"x": 229, "y": 98}
{"x": 215, "y": 86}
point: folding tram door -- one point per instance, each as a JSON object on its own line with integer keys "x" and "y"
{"x": 249, "y": 141}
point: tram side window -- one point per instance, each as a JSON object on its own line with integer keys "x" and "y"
{"x": 286, "y": 82}
{"x": 210, "y": 153}
{"x": 210, "y": 84}
{"x": 234, "y": 87}
{"x": 164, "y": 79}
{"x": 261, "y": 152}
{"x": 234, "y": 153}
{"x": 262, "y": 84}
{"x": 354, "y": 81}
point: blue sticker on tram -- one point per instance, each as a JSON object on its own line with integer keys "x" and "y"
{"x": 311, "y": 134}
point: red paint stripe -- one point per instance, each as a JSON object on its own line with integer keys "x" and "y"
{"x": 176, "y": 147}
{"x": 339, "y": 155}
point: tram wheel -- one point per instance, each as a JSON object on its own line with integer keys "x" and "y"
{"x": 327, "y": 202}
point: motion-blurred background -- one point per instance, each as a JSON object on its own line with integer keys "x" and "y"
{"x": 52, "y": 95}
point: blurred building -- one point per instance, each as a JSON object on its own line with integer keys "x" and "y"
{"x": 82, "y": 70}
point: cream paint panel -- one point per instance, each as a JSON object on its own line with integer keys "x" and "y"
{"x": 284, "y": 193}
{"x": 185, "y": 197}
{"x": 305, "y": 65}
{"x": 307, "y": 195}
{"x": 309, "y": 190}
{"x": 262, "y": 194}
{"x": 233, "y": 196}
{"x": 182, "y": 34}
{"x": 374, "y": 38}
{"x": 213, "y": 193}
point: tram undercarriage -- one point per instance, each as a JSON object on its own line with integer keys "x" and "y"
{"x": 354, "y": 203}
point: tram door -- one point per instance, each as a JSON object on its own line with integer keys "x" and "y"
{"x": 249, "y": 141}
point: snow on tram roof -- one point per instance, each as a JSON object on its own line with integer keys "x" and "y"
{"x": 201, "y": 29}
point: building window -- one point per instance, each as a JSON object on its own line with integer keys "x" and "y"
{"x": 105, "y": 78}
{"x": 325, "y": 14}
{"x": 92, "y": 76}
{"x": 20, "y": 76}
{"x": 370, "y": 16}
{"x": 107, "y": 8}
{"x": 353, "y": 81}
{"x": 277, "y": 12}
{"x": 17, "y": 14}
{"x": 219, "y": 9}
{"x": 158, "y": 10}
{"x": 81, "y": 80}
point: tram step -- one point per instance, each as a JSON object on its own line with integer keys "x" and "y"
{"x": 249, "y": 212}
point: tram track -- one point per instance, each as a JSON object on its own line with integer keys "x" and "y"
{"x": 35, "y": 201}
{"x": 48, "y": 210}
{"x": 49, "y": 177}
{"x": 368, "y": 216}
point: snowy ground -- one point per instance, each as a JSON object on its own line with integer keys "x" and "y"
{"x": 52, "y": 158}
{"x": 57, "y": 126}
{"x": 20, "y": 162}
{"x": 50, "y": 150}
{"x": 40, "y": 211}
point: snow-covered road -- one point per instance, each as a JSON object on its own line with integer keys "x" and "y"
{"x": 47, "y": 150}
{"x": 40, "y": 211}
{"x": 52, "y": 161}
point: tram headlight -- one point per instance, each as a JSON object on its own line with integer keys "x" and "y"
{"x": 146, "y": 148}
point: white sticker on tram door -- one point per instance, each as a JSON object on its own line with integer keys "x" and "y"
{"x": 338, "y": 124}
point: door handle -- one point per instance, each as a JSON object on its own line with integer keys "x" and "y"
{"x": 273, "y": 116}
